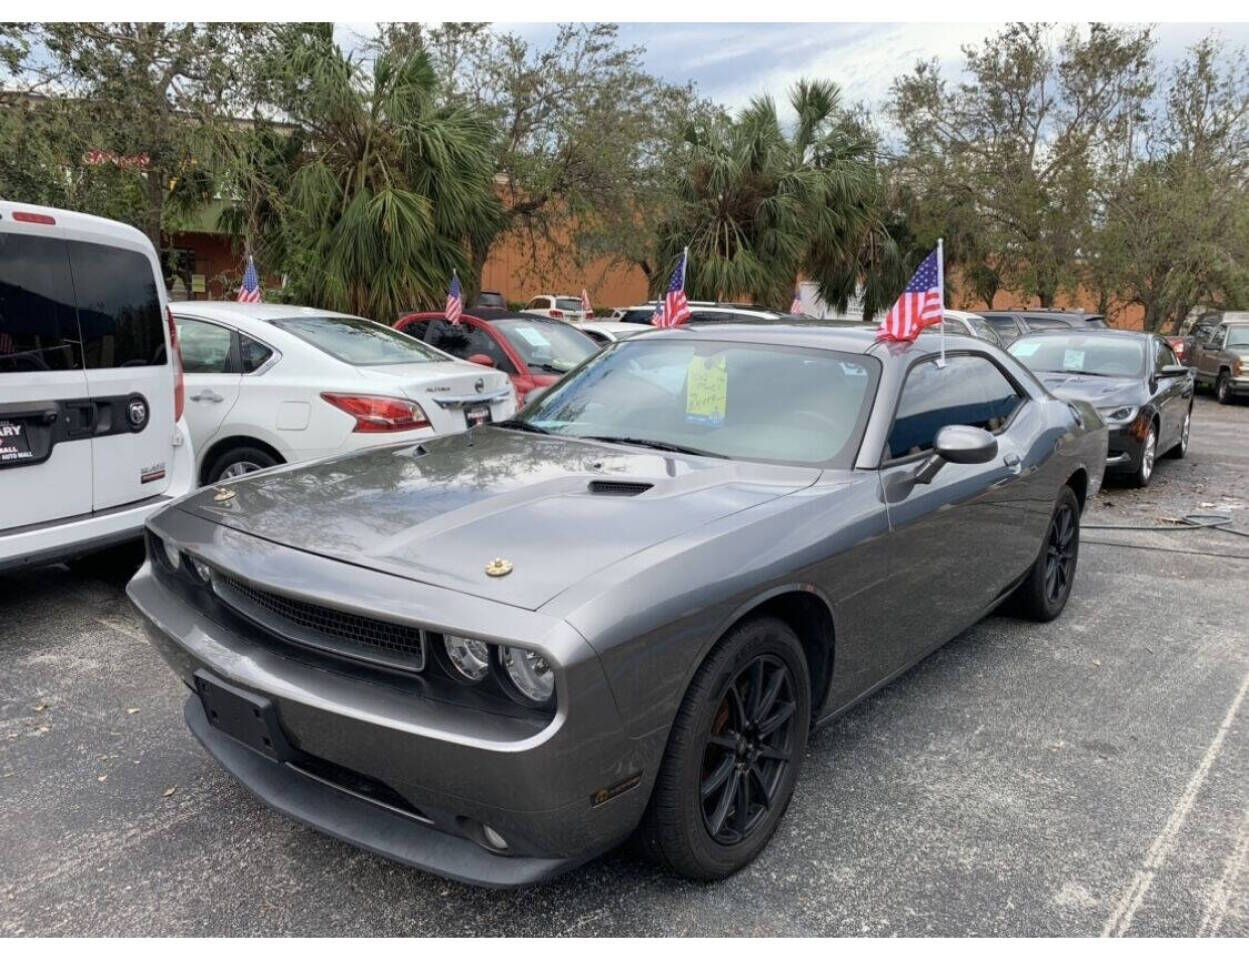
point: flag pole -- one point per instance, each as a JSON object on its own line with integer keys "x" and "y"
{"x": 685, "y": 267}
{"x": 941, "y": 295}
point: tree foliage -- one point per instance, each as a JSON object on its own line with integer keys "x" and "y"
{"x": 758, "y": 205}
{"x": 1017, "y": 146}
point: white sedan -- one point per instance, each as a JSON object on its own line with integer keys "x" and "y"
{"x": 269, "y": 384}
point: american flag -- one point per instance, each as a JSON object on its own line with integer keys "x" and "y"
{"x": 918, "y": 307}
{"x": 455, "y": 300}
{"x": 586, "y": 309}
{"x": 796, "y": 306}
{"x": 675, "y": 309}
{"x": 249, "y": 292}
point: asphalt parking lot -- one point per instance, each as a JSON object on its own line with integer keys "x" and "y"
{"x": 1089, "y": 776}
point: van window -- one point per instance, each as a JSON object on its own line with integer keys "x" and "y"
{"x": 38, "y": 330}
{"x": 119, "y": 309}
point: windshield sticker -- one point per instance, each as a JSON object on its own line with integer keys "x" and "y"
{"x": 535, "y": 337}
{"x": 1073, "y": 359}
{"x": 1025, "y": 349}
{"x": 706, "y": 392}
{"x": 853, "y": 369}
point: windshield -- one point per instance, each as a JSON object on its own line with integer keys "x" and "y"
{"x": 1238, "y": 336}
{"x": 740, "y": 400}
{"x": 548, "y": 345}
{"x": 361, "y": 343}
{"x": 636, "y": 315}
{"x": 1103, "y": 356}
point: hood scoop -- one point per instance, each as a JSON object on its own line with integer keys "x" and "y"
{"x": 618, "y": 488}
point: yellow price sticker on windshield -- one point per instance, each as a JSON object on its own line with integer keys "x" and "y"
{"x": 706, "y": 390}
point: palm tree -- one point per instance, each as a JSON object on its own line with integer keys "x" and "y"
{"x": 371, "y": 194}
{"x": 757, "y": 206}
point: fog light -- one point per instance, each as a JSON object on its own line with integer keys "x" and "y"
{"x": 493, "y": 837}
{"x": 202, "y": 570}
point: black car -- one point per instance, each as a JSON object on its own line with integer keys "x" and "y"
{"x": 1133, "y": 379}
{"x": 1010, "y": 324}
{"x": 490, "y": 298}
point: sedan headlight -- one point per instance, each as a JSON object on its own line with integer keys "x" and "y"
{"x": 1118, "y": 415}
{"x": 529, "y": 672}
{"x": 469, "y": 658}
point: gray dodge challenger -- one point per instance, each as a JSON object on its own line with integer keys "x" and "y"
{"x": 621, "y": 613}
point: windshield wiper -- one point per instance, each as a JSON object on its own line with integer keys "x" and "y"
{"x": 659, "y": 445}
{"x": 520, "y": 425}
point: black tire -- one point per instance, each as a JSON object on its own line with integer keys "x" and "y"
{"x": 677, "y": 828}
{"x": 1180, "y": 450}
{"x": 1144, "y": 471}
{"x": 1223, "y": 388}
{"x": 249, "y": 458}
{"x": 1036, "y": 597}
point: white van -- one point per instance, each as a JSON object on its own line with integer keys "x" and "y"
{"x": 92, "y": 437}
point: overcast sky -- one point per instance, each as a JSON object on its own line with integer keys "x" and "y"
{"x": 731, "y": 62}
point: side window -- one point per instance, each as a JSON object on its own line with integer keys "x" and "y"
{"x": 968, "y": 390}
{"x": 38, "y": 329}
{"x": 450, "y": 338}
{"x": 480, "y": 341}
{"x": 1164, "y": 356}
{"x": 1215, "y": 337}
{"x": 1006, "y": 327}
{"x": 119, "y": 308}
{"x": 1047, "y": 323}
{"x": 537, "y": 303}
{"x": 205, "y": 346}
{"x": 253, "y": 353}
{"x": 710, "y": 316}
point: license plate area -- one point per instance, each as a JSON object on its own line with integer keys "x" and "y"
{"x": 247, "y": 717}
{"x": 14, "y": 442}
{"x": 477, "y": 414}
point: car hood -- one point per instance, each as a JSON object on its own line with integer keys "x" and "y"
{"x": 439, "y": 512}
{"x": 1099, "y": 391}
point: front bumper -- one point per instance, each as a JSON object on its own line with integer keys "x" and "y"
{"x": 1124, "y": 449}
{"x": 537, "y": 782}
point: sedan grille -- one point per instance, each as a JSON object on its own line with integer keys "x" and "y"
{"x": 395, "y": 645}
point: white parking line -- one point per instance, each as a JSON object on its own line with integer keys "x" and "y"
{"x": 1164, "y": 843}
{"x": 1213, "y": 919}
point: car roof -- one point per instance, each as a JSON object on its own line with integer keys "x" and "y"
{"x": 848, "y": 337}
{"x": 1088, "y": 332}
{"x": 229, "y": 310}
{"x": 962, "y": 315}
{"x": 82, "y": 222}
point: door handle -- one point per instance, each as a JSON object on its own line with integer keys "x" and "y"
{"x": 208, "y": 395}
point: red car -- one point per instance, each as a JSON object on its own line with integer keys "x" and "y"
{"x": 533, "y": 351}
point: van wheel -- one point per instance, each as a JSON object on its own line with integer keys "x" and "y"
{"x": 238, "y": 461}
{"x": 733, "y": 754}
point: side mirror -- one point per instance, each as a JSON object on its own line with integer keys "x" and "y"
{"x": 533, "y": 395}
{"x": 957, "y": 444}
{"x": 1173, "y": 370}
{"x": 480, "y": 358}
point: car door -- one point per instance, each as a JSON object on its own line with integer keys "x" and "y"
{"x": 959, "y": 541}
{"x": 1209, "y": 348}
{"x": 211, "y": 366}
{"x": 123, "y": 321}
{"x": 1171, "y": 393}
{"x": 45, "y": 440}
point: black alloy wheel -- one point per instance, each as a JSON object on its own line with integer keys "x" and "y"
{"x": 1060, "y": 554}
{"x": 1045, "y": 590}
{"x": 748, "y": 750}
{"x": 734, "y": 751}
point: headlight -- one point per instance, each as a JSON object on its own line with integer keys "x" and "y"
{"x": 469, "y": 658}
{"x": 529, "y": 673}
{"x": 173, "y": 556}
{"x": 1118, "y": 414}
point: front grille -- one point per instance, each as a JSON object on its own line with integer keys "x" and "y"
{"x": 390, "y": 644}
